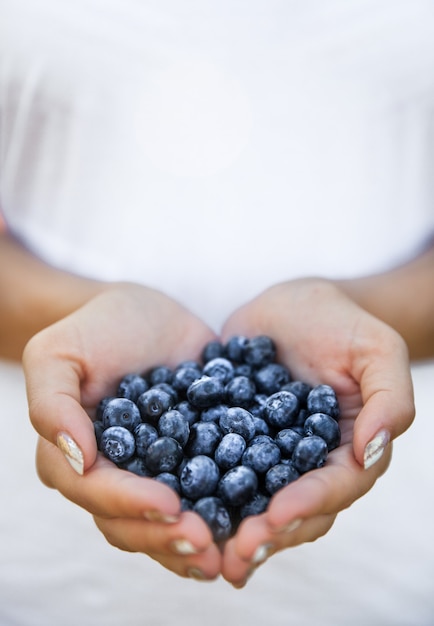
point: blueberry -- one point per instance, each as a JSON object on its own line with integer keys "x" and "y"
{"x": 186, "y": 504}
{"x": 310, "y": 453}
{"x": 281, "y": 409}
{"x": 238, "y": 485}
{"x": 299, "y": 389}
{"x": 169, "y": 479}
{"x": 160, "y": 374}
{"x": 240, "y": 391}
{"x": 287, "y": 439}
{"x": 219, "y": 368}
{"x": 324, "y": 426}
{"x": 238, "y": 420}
{"x": 258, "y": 405}
{"x": 323, "y": 399}
{"x": 212, "y": 350}
{"x": 191, "y": 413}
{"x": 137, "y": 465}
{"x": 204, "y": 438}
{"x": 212, "y": 510}
{"x": 213, "y": 413}
{"x": 163, "y": 455}
{"x": 131, "y": 386}
{"x": 243, "y": 369}
{"x": 170, "y": 390}
{"x": 153, "y": 403}
{"x": 259, "y": 351}
{"x": 173, "y": 424}
{"x": 101, "y": 406}
{"x": 261, "y": 426}
{"x": 271, "y": 378}
{"x": 144, "y": 434}
{"x": 255, "y": 506}
{"x": 230, "y": 450}
{"x": 185, "y": 375}
{"x": 121, "y": 412}
{"x": 262, "y": 439}
{"x": 117, "y": 443}
{"x": 98, "y": 427}
{"x": 279, "y": 476}
{"x": 206, "y": 391}
{"x": 261, "y": 456}
{"x": 234, "y": 348}
{"x": 200, "y": 477}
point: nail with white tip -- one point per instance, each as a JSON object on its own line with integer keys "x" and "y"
{"x": 375, "y": 448}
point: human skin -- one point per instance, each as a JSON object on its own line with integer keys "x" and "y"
{"x": 68, "y": 363}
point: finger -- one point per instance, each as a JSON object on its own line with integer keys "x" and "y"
{"x": 105, "y": 490}
{"x": 254, "y": 544}
{"x": 387, "y": 393}
{"x": 172, "y": 546}
{"x": 324, "y": 491}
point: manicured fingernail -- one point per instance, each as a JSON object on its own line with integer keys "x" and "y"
{"x": 375, "y": 448}
{"x": 262, "y": 553}
{"x": 158, "y": 516}
{"x": 244, "y": 582}
{"x": 183, "y": 547}
{"x": 71, "y": 451}
{"x": 290, "y": 527}
{"x": 196, "y": 573}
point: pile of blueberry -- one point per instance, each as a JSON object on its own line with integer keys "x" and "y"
{"x": 225, "y": 433}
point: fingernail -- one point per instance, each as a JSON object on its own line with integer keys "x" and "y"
{"x": 183, "y": 547}
{"x": 196, "y": 573}
{"x": 375, "y": 448}
{"x": 71, "y": 451}
{"x": 262, "y": 553}
{"x": 158, "y": 516}
{"x": 244, "y": 582}
{"x": 290, "y": 527}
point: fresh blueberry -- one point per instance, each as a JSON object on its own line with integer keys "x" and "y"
{"x": 219, "y": 368}
{"x": 169, "y": 479}
{"x": 190, "y": 412}
{"x": 186, "y": 504}
{"x": 200, "y": 477}
{"x": 240, "y": 391}
{"x": 324, "y": 426}
{"x": 131, "y": 386}
{"x": 160, "y": 374}
{"x": 310, "y": 453}
{"x": 261, "y": 426}
{"x": 173, "y": 424}
{"x": 121, "y": 412}
{"x": 279, "y": 476}
{"x": 212, "y": 350}
{"x": 234, "y": 348}
{"x": 258, "y": 405}
{"x": 238, "y": 485}
{"x": 281, "y": 409}
{"x": 98, "y": 427}
{"x": 184, "y": 375}
{"x": 261, "y": 456}
{"x": 204, "y": 438}
{"x": 238, "y": 420}
{"x": 212, "y": 510}
{"x": 287, "y": 439}
{"x": 271, "y": 378}
{"x": 259, "y": 351}
{"x": 243, "y": 369}
{"x": 230, "y": 450}
{"x": 213, "y": 413}
{"x": 137, "y": 465}
{"x": 299, "y": 389}
{"x": 261, "y": 439}
{"x": 323, "y": 399}
{"x": 170, "y": 390}
{"x": 101, "y": 406}
{"x": 163, "y": 455}
{"x": 206, "y": 391}
{"x": 145, "y": 434}
{"x": 153, "y": 403}
{"x": 117, "y": 443}
{"x": 255, "y": 506}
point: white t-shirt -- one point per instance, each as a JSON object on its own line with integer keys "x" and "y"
{"x": 211, "y": 148}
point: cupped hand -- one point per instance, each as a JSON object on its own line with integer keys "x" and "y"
{"x": 69, "y": 367}
{"x": 324, "y": 337}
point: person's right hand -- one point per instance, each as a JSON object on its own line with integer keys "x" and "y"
{"x": 69, "y": 367}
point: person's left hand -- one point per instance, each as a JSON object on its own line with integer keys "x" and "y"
{"x": 324, "y": 337}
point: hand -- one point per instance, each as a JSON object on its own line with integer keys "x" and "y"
{"x": 324, "y": 337}
{"x": 69, "y": 367}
